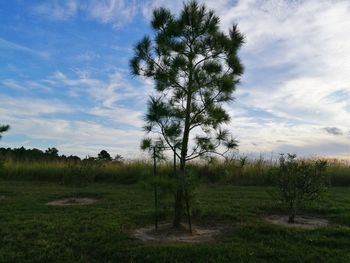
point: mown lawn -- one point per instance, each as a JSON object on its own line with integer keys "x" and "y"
{"x": 31, "y": 231}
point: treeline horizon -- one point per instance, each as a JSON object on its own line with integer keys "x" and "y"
{"x": 51, "y": 154}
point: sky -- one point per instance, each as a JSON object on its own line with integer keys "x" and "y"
{"x": 65, "y": 80}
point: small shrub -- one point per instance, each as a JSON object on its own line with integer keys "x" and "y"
{"x": 299, "y": 181}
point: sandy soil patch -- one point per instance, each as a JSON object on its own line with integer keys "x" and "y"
{"x": 73, "y": 201}
{"x": 167, "y": 234}
{"x": 301, "y": 221}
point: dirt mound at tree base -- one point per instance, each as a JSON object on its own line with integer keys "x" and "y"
{"x": 166, "y": 233}
{"x": 301, "y": 221}
{"x": 73, "y": 201}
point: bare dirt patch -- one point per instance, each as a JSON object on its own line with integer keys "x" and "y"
{"x": 167, "y": 234}
{"x": 2, "y": 197}
{"x": 301, "y": 221}
{"x": 73, "y": 201}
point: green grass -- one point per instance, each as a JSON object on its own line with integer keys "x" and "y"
{"x": 31, "y": 231}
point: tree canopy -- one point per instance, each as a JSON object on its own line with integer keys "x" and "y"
{"x": 104, "y": 156}
{"x": 196, "y": 69}
{"x": 3, "y": 128}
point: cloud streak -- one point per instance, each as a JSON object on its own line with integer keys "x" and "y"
{"x": 57, "y": 10}
{"x": 6, "y": 44}
{"x": 114, "y": 12}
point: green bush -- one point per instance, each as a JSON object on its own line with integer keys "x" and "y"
{"x": 298, "y": 182}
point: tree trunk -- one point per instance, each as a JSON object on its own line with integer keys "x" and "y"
{"x": 292, "y": 214}
{"x": 178, "y": 209}
{"x": 291, "y": 218}
{"x": 184, "y": 145}
{"x": 180, "y": 197}
{"x": 181, "y": 177}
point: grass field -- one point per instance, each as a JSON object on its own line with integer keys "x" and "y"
{"x": 31, "y": 231}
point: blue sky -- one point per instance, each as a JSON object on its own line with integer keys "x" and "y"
{"x": 65, "y": 82}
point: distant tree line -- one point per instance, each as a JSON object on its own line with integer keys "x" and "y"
{"x": 23, "y": 154}
{"x": 51, "y": 154}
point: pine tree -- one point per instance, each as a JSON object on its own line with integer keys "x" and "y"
{"x": 195, "y": 68}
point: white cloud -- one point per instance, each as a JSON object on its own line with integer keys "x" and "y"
{"x": 256, "y": 136}
{"x": 115, "y": 12}
{"x": 306, "y": 40}
{"x": 120, "y": 116}
{"x": 57, "y": 10}
{"x": 116, "y": 88}
{"x": 25, "y": 107}
{"x": 147, "y": 9}
{"x": 88, "y": 56}
{"x": 6, "y": 44}
{"x": 116, "y": 99}
{"x": 24, "y": 86}
{"x": 75, "y": 137}
{"x": 111, "y": 122}
{"x": 122, "y": 48}
{"x": 37, "y": 120}
{"x": 10, "y": 83}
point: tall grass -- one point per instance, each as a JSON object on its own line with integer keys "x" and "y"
{"x": 60, "y": 171}
{"x": 253, "y": 172}
{"x": 338, "y": 172}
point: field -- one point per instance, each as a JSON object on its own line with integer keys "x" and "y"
{"x": 32, "y": 231}
{"x": 255, "y": 172}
